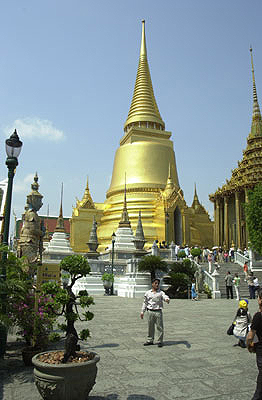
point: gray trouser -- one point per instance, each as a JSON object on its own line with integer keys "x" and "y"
{"x": 155, "y": 318}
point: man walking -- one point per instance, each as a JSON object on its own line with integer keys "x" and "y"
{"x": 153, "y": 303}
{"x": 229, "y": 283}
{"x": 256, "y": 329}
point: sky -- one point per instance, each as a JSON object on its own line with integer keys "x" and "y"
{"x": 67, "y": 75}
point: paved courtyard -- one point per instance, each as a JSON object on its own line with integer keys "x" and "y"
{"x": 198, "y": 360}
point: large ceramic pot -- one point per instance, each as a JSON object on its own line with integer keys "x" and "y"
{"x": 71, "y": 381}
{"x": 3, "y": 339}
{"x": 28, "y": 353}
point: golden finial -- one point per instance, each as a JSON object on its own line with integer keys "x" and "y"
{"x": 256, "y": 127}
{"x": 143, "y": 41}
{"x": 143, "y": 107}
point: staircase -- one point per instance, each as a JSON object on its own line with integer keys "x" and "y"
{"x": 234, "y": 269}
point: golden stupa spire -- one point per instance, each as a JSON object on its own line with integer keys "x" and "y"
{"x": 143, "y": 110}
{"x": 169, "y": 183}
{"x": 256, "y": 127}
{"x": 60, "y": 220}
{"x": 124, "y": 223}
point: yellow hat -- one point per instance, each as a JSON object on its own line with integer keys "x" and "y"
{"x": 242, "y": 304}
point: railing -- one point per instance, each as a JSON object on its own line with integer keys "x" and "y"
{"x": 210, "y": 280}
{"x": 241, "y": 259}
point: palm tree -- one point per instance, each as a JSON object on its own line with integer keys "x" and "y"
{"x": 152, "y": 264}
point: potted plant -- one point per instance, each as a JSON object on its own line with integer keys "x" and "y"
{"x": 68, "y": 374}
{"x": 108, "y": 280}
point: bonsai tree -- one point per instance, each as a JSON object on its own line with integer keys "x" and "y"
{"x": 108, "y": 277}
{"x": 181, "y": 254}
{"x": 253, "y": 211}
{"x": 179, "y": 277}
{"x": 152, "y": 264}
{"x": 77, "y": 266}
{"x": 195, "y": 253}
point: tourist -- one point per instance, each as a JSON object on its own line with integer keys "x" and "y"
{"x": 242, "y": 322}
{"x": 254, "y": 344}
{"x": 236, "y": 282}
{"x": 245, "y": 268}
{"x": 194, "y": 294}
{"x": 256, "y": 285}
{"x": 209, "y": 259}
{"x": 229, "y": 283}
{"x": 231, "y": 254}
{"x": 251, "y": 286}
{"x": 226, "y": 256}
{"x": 153, "y": 304}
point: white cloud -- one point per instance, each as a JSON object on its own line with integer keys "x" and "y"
{"x": 24, "y": 185}
{"x": 32, "y": 128}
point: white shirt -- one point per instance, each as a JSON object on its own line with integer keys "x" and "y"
{"x": 154, "y": 300}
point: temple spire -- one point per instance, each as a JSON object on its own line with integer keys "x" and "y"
{"x": 60, "y": 220}
{"x": 143, "y": 109}
{"x": 256, "y": 127}
{"x": 125, "y": 218}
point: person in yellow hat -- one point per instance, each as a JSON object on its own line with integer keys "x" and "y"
{"x": 242, "y": 322}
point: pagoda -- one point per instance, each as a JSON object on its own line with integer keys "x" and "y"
{"x": 230, "y": 223}
{"x": 146, "y": 157}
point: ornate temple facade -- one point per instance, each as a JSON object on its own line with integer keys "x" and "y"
{"x": 230, "y": 224}
{"x": 145, "y": 169}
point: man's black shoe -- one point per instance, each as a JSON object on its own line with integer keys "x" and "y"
{"x": 148, "y": 343}
{"x": 160, "y": 344}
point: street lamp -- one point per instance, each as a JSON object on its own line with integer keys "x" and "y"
{"x": 13, "y": 148}
{"x": 112, "y": 264}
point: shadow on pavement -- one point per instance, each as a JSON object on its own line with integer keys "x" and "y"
{"x": 173, "y": 343}
{"x": 109, "y": 397}
{"x": 139, "y": 397}
{"x": 100, "y": 346}
{"x": 115, "y": 397}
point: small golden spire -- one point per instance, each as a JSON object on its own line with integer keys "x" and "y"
{"x": 143, "y": 107}
{"x": 125, "y": 218}
{"x": 256, "y": 127}
{"x": 60, "y": 227}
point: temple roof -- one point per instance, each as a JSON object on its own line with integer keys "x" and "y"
{"x": 87, "y": 201}
{"x": 143, "y": 106}
{"x": 249, "y": 170}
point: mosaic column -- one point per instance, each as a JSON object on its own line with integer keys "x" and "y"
{"x": 238, "y": 226}
{"x": 226, "y": 237}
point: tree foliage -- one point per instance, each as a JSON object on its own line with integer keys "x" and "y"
{"x": 151, "y": 264}
{"x": 179, "y": 277}
{"x": 253, "y": 211}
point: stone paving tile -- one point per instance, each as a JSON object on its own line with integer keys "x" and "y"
{"x": 190, "y": 390}
{"x": 198, "y": 360}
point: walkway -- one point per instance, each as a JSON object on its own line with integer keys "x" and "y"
{"x": 198, "y": 360}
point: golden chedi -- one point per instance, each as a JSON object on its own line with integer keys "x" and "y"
{"x": 146, "y": 158}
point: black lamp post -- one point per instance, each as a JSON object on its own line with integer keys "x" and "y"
{"x": 112, "y": 264}
{"x": 13, "y": 148}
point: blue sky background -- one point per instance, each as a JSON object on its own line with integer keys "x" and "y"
{"x": 67, "y": 74}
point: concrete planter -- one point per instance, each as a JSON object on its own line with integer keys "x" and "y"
{"x": 72, "y": 381}
{"x": 107, "y": 284}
